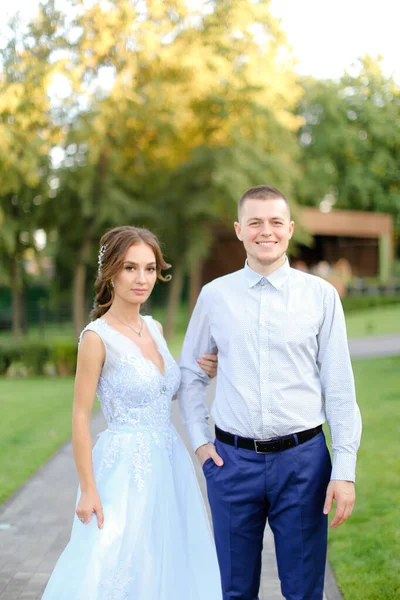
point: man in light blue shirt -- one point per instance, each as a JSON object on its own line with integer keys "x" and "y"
{"x": 283, "y": 369}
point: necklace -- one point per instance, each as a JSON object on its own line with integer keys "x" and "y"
{"x": 139, "y": 333}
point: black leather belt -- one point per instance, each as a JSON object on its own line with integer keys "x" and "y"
{"x": 266, "y": 446}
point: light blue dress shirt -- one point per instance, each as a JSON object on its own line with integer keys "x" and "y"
{"x": 283, "y": 362}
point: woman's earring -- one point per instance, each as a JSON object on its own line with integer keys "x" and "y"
{"x": 112, "y": 283}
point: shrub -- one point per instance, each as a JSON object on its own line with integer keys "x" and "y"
{"x": 34, "y": 357}
{"x": 64, "y": 357}
{"x": 358, "y": 303}
{"x": 18, "y": 370}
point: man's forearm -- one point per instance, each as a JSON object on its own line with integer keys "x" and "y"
{"x": 193, "y": 408}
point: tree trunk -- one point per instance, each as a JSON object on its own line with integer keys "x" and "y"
{"x": 79, "y": 314}
{"x": 195, "y": 285}
{"x": 78, "y": 300}
{"x": 16, "y": 290}
{"x": 174, "y": 298}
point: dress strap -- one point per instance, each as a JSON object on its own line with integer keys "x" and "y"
{"x": 154, "y": 328}
{"x": 97, "y": 326}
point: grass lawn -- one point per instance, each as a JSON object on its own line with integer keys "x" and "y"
{"x": 365, "y": 551}
{"x": 35, "y": 421}
{"x": 58, "y": 331}
{"x": 374, "y": 321}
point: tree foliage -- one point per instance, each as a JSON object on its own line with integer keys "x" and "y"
{"x": 27, "y": 133}
{"x": 351, "y": 140}
{"x": 157, "y": 113}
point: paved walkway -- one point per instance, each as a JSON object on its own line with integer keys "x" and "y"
{"x": 375, "y": 346}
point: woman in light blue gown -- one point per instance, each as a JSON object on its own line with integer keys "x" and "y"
{"x": 141, "y": 531}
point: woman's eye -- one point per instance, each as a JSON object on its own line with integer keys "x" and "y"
{"x": 151, "y": 269}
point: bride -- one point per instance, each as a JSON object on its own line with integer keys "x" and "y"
{"x": 141, "y": 531}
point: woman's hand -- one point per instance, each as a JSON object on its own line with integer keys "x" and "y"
{"x": 209, "y": 364}
{"x": 88, "y": 504}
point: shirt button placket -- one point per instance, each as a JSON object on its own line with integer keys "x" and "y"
{"x": 264, "y": 355}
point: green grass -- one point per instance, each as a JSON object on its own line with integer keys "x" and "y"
{"x": 35, "y": 421}
{"x": 374, "y": 321}
{"x": 365, "y": 551}
{"x": 58, "y": 331}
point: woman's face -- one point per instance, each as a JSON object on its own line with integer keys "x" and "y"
{"x": 135, "y": 280}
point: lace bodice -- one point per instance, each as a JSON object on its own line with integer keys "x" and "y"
{"x": 131, "y": 389}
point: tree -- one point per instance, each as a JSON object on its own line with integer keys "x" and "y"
{"x": 350, "y": 141}
{"x": 190, "y": 90}
{"x": 27, "y": 135}
{"x": 173, "y": 109}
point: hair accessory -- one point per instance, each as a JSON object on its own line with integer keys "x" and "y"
{"x": 100, "y": 257}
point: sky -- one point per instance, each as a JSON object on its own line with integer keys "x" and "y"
{"x": 327, "y": 37}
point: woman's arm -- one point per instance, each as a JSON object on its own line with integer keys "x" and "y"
{"x": 91, "y": 356}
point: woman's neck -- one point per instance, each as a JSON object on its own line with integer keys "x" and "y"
{"x": 126, "y": 311}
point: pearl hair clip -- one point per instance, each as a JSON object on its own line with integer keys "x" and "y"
{"x": 100, "y": 257}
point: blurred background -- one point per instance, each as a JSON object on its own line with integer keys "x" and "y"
{"x": 161, "y": 113}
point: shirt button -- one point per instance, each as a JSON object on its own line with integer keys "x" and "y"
{"x": 163, "y": 389}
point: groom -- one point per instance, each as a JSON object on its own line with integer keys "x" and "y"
{"x": 284, "y": 368}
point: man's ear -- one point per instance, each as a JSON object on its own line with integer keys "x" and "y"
{"x": 291, "y": 229}
{"x": 238, "y": 231}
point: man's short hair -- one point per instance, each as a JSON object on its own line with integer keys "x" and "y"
{"x": 262, "y": 192}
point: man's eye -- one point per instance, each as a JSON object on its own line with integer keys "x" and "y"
{"x": 254, "y": 223}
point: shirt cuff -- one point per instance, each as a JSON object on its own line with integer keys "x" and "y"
{"x": 344, "y": 466}
{"x": 199, "y": 434}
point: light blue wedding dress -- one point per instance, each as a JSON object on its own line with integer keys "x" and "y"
{"x": 156, "y": 543}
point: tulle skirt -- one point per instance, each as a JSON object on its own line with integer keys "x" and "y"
{"x": 156, "y": 543}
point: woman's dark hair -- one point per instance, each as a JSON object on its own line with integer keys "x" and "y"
{"x": 113, "y": 246}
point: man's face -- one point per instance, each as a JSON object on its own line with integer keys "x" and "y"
{"x": 265, "y": 229}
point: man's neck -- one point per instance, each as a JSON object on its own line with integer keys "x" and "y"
{"x": 266, "y": 269}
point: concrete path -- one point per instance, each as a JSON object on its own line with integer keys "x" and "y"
{"x": 375, "y": 346}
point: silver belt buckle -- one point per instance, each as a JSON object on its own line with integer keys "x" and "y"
{"x": 256, "y": 447}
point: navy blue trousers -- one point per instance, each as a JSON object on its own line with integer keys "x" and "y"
{"x": 288, "y": 488}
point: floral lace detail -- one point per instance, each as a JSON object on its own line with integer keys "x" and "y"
{"x": 131, "y": 389}
{"x": 136, "y": 401}
{"x": 132, "y": 449}
{"x": 115, "y": 585}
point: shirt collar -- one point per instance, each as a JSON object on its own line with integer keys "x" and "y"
{"x": 276, "y": 278}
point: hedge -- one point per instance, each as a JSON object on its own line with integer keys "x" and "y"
{"x": 359, "y": 303}
{"x": 27, "y": 358}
